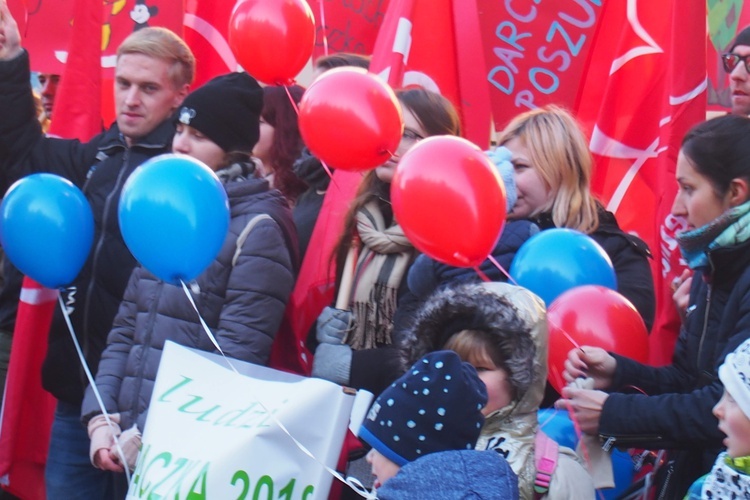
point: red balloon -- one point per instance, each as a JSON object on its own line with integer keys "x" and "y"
{"x": 350, "y": 119}
{"x": 450, "y": 200}
{"x": 272, "y": 39}
{"x": 596, "y": 316}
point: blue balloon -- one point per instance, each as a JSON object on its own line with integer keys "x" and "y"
{"x": 46, "y": 228}
{"x": 174, "y": 216}
{"x": 558, "y": 426}
{"x": 555, "y": 260}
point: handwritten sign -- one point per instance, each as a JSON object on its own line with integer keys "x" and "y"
{"x": 213, "y": 433}
{"x": 535, "y": 52}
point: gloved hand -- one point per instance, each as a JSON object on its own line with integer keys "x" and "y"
{"x": 501, "y": 156}
{"x": 130, "y": 444}
{"x": 102, "y": 435}
{"x": 333, "y": 325}
{"x": 333, "y": 362}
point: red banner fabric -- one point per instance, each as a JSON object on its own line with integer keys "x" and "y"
{"x": 536, "y": 53}
{"x": 418, "y": 46}
{"x": 47, "y": 26}
{"x": 206, "y": 32}
{"x": 346, "y": 26}
{"x": 651, "y": 79}
{"x": 27, "y": 409}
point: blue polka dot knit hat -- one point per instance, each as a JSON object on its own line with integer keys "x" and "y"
{"x": 435, "y": 406}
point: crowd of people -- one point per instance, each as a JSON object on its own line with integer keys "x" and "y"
{"x": 459, "y": 363}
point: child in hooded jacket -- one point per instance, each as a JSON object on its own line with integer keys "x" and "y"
{"x": 501, "y": 330}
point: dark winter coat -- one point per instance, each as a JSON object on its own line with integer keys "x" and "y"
{"x": 467, "y": 474}
{"x": 629, "y": 255}
{"x": 99, "y": 167}
{"x": 241, "y": 296}
{"x": 676, "y": 414}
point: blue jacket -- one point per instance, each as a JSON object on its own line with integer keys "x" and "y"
{"x": 448, "y": 475}
{"x": 677, "y": 413}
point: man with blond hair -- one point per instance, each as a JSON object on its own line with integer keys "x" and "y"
{"x": 153, "y": 74}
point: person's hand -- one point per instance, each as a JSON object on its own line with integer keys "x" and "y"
{"x": 586, "y": 405}
{"x": 130, "y": 444}
{"x": 10, "y": 37}
{"x": 593, "y": 362}
{"x": 103, "y": 460}
{"x": 681, "y": 292}
{"x": 333, "y": 325}
{"x": 102, "y": 435}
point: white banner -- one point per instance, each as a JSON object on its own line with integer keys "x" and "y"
{"x": 209, "y": 433}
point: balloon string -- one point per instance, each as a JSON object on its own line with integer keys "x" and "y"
{"x": 94, "y": 387}
{"x": 291, "y": 100}
{"x": 502, "y": 269}
{"x": 352, "y": 482}
{"x": 481, "y": 274}
{"x": 323, "y": 26}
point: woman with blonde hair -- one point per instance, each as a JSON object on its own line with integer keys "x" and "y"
{"x": 553, "y": 170}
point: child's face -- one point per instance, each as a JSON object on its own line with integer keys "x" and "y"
{"x": 499, "y": 390}
{"x": 735, "y": 424}
{"x": 382, "y": 468}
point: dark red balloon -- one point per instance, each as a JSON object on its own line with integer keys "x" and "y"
{"x": 450, "y": 200}
{"x": 596, "y": 316}
{"x": 272, "y": 39}
{"x": 350, "y": 119}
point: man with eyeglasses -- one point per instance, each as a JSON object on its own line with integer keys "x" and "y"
{"x": 737, "y": 64}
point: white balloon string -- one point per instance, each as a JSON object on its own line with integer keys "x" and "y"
{"x": 94, "y": 387}
{"x": 502, "y": 269}
{"x": 351, "y": 481}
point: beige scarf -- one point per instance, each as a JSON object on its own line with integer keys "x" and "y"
{"x": 381, "y": 265}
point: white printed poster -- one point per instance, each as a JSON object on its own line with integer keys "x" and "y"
{"x": 212, "y": 433}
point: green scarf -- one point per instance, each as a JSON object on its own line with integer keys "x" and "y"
{"x": 729, "y": 229}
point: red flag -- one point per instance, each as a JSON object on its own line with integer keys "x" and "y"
{"x": 346, "y": 26}
{"x": 28, "y": 410}
{"x": 418, "y": 45}
{"x": 644, "y": 89}
{"x": 206, "y": 26}
{"x": 536, "y": 53}
{"x": 315, "y": 285}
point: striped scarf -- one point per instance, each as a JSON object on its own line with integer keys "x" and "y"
{"x": 383, "y": 260}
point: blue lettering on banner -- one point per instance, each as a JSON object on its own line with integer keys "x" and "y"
{"x": 544, "y": 72}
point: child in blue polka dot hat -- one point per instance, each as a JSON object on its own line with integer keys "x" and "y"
{"x": 435, "y": 407}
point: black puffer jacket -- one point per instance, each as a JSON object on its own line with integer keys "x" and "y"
{"x": 241, "y": 296}
{"x": 100, "y": 167}
{"x": 629, "y": 255}
{"x": 677, "y": 412}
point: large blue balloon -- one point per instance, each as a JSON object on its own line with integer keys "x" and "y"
{"x": 554, "y": 261}
{"x": 174, "y": 216}
{"x": 46, "y": 228}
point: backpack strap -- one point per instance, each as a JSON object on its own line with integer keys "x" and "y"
{"x": 545, "y": 458}
{"x": 245, "y": 233}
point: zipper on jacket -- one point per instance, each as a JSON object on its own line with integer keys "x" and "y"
{"x": 611, "y": 441}
{"x": 146, "y": 349}
{"x": 665, "y": 484}
{"x": 98, "y": 248}
{"x": 705, "y": 328}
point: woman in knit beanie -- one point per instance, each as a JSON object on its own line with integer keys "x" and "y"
{"x": 241, "y": 295}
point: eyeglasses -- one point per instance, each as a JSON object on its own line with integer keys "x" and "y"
{"x": 730, "y": 61}
{"x": 411, "y": 136}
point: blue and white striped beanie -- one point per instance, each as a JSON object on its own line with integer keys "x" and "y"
{"x": 435, "y": 406}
